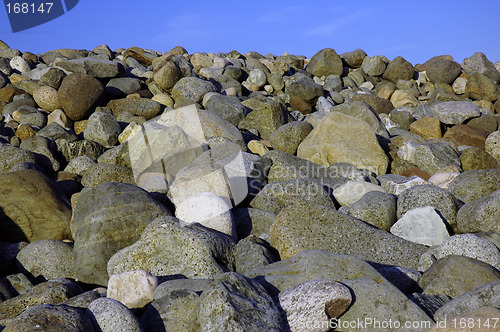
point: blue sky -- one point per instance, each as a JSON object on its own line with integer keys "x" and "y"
{"x": 416, "y": 30}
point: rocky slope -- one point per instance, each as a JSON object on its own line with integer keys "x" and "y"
{"x": 144, "y": 191}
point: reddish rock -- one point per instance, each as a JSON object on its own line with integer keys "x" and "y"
{"x": 467, "y": 135}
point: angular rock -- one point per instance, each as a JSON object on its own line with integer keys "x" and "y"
{"x": 77, "y": 94}
{"x": 209, "y": 210}
{"x": 427, "y": 128}
{"x": 480, "y": 215}
{"x": 33, "y": 208}
{"x": 168, "y": 247}
{"x": 103, "y": 129}
{"x": 299, "y": 221}
{"x": 342, "y": 138}
{"x": 133, "y": 288}
{"x": 375, "y": 208}
{"x": 380, "y": 105}
{"x": 479, "y": 63}
{"x": 365, "y": 112}
{"x": 433, "y": 156}
{"x": 266, "y": 116}
{"x": 50, "y": 259}
{"x": 107, "y": 218}
{"x": 457, "y": 275}
{"x": 72, "y": 149}
{"x": 254, "y": 222}
{"x": 304, "y": 88}
{"x": 421, "y": 225}
{"x": 454, "y": 112}
{"x": 122, "y": 86}
{"x": 79, "y": 165}
{"x": 466, "y": 135}
{"x": 429, "y": 195}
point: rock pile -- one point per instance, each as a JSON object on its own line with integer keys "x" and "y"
{"x": 144, "y": 191}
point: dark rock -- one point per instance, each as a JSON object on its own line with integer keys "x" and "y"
{"x": 78, "y": 93}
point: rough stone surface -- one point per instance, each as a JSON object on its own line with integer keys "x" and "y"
{"x": 78, "y": 93}
{"x": 103, "y": 129}
{"x": 456, "y": 275}
{"x": 266, "y": 116}
{"x": 189, "y": 90}
{"x": 454, "y": 112}
{"x": 483, "y": 296}
{"x": 342, "y": 138}
{"x": 134, "y": 288}
{"x": 324, "y": 63}
{"x": 107, "y": 218}
{"x": 352, "y": 191}
{"x": 33, "y": 207}
{"x": 209, "y": 210}
{"x": 376, "y": 208}
{"x": 480, "y": 215}
{"x": 314, "y": 301}
{"x": 397, "y": 69}
{"x": 109, "y": 315}
{"x": 313, "y": 224}
{"x": 48, "y": 317}
{"x": 492, "y": 144}
{"x": 168, "y": 247}
{"x": 472, "y": 185}
{"x": 289, "y": 136}
{"x": 428, "y": 195}
{"x": 144, "y": 107}
{"x": 421, "y": 225}
{"x": 50, "y": 259}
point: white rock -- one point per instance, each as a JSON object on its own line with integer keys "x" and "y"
{"x": 468, "y": 245}
{"x": 307, "y": 305}
{"x": 352, "y": 191}
{"x": 134, "y": 289}
{"x": 459, "y": 85}
{"x": 397, "y": 188}
{"x": 209, "y": 210}
{"x": 407, "y": 151}
{"x": 18, "y": 63}
{"x": 220, "y": 62}
{"x": 110, "y": 315}
{"x": 421, "y": 225}
{"x": 323, "y": 105}
{"x": 492, "y": 144}
{"x": 443, "y": 180}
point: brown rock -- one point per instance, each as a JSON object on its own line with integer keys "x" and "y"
{"x": 442, "y": 70}
{"x": 482, "y": 87}
{"x": 380, "y": 105}
{"x": 47, "y": 98}
{"x": 325, "y": 62}
{"x": 385, "y": 89}
{"x": 427, "y": 128}
{"x": 33, "y": 208}
{"x": 416, "y": 171}
{"x": 78, "y": 93}
{"x": 80, "y": 126}
{"x": 178, "y": 50}
{"x": 399, "y": 68}
{"x": 476, "y": 158}
{"x": 299, "y": 104}
{"x": 140, "y": 55}
{"x": 25, "y": 131}
{"x": 354, "y": 59}
{"x": 485, "y": 122}
{"x": 8, "y": 92}
{"x": 467, "y": 135}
